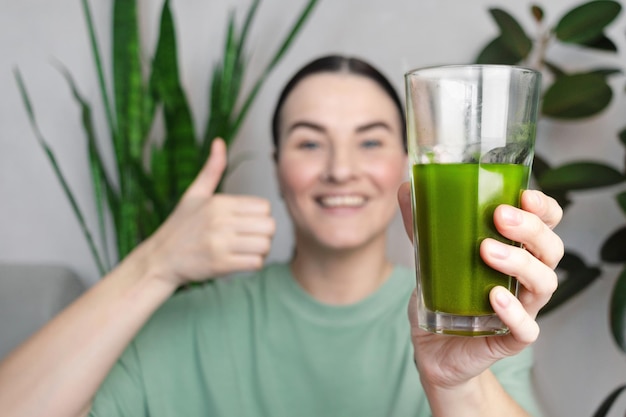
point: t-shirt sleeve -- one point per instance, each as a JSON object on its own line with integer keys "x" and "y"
{"x": 515, "y": 375}
{"x": 122, "y": 392}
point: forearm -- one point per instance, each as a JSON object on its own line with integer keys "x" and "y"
{"x": 482, "y": 396}
{"x": 59, "y": 369}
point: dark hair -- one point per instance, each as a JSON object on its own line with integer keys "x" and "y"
{"x": 334, "y": 64}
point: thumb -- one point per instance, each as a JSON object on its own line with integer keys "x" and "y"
{"x": 404, "y": 199}
{"x": 209, "y": 176}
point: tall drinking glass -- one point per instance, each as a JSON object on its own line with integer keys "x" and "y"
{"x": 471, "y": 134}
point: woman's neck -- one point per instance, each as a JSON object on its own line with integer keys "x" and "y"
{"x": 341, "y": 277}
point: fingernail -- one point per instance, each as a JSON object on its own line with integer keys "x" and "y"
{"x": 499, "y": 250}
{"x": 503, "y": 297}
{"x": 511, "y": 216}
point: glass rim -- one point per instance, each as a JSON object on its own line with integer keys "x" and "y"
{"x": 512, "y": 68}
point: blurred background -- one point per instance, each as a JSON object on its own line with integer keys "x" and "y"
{"x": 578, "y": 363}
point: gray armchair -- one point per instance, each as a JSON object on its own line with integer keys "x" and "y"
{"x": 30, "y": 295}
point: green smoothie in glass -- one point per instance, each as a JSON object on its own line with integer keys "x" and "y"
{"x": 453, "y": 206}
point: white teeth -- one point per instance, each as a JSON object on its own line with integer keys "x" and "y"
{"x": 343, "y": 201}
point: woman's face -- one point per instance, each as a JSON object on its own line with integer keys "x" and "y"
{"x": 340, "y": 160}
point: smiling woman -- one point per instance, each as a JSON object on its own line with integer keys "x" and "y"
{"x": 325, "y": 334}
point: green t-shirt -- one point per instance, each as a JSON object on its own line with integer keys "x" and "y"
{"x": 261, "y": 346}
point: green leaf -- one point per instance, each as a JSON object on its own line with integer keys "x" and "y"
{"x": 537, "y": 13}
{"x": 622, "y": 136}
{"x": 614, "y": 247}
{"x": 282, "y": 50}
{"x": 129, "y": 104}
{"x": 606, "y": 72}
{"x": 540, "y": 167}
{"x": 586, "y": 23}
{"x": 606, "y": 405}
{"x": 95, "y": 50}
{"x": 621, "y": 200}
{"x": 579, "y": 276}
{"x": 512, "y": 33}
{"x": 497, "y": 52}
{"x": 103, "y": 189}
{"x": 601, "y": 43}
{"x": 180, "y": 144}
{"x": 580, "y": 176}
{"x": 554, "y": 69}
{"x": 576, "y": 96}
{"x": 618, "y": 311}
{"x": 59, "y": 174}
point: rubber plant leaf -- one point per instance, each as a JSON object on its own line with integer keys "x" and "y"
{"x": 497, "y": 52}
{"x": 601, "y": 43}
{"x": 586, "y": 23}
{"x": 622, "y": 136}
{"x": 618, "y": 311}
{"x": 576, "y": 96}
{"x": 180, "y": 144}
{"x": 578, "y": 277}
{"x": 621, "y": 200}
{"x": 59, "y": 174}
{"x": 613, "y": 249}
{"x": 606, "y": 405}
{"x": 541, "y": 166}
{"x": 580, "y": 176}
{"x": 537, "y": 13}
{"x": 512, "y": 33}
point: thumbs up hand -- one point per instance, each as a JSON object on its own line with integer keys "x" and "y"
{"x": 208, "y": 234}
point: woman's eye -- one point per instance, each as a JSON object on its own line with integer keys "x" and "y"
{"x": 371, "y": 143}
{"x": 308, "y": 144}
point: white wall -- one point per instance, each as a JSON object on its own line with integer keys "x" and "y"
{"x": 577, "y": 365}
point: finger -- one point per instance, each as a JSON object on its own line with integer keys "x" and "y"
{"x": 255, "y": 225}
{"x": 404, "y": 200}
{"x": 524, "y": 330}
{"x": 528, "y": 229}
{"x": 208, "y": 178}
{"x": 248, "y": 205}
{"x": 545, "y": 207}
{"x": 538, "y": 279}
{"x": 252, "y": 245}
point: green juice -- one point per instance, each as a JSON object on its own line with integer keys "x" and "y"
{"x": 453, "y": 206}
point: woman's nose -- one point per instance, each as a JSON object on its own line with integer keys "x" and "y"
{"x": 342, "y": 165}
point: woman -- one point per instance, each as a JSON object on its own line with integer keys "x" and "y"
{"x": 326, "y": 333}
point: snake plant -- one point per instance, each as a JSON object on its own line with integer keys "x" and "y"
{"x": 139, "y": 196}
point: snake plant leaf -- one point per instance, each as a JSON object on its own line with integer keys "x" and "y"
{"x": 585, "y": 23}
{"x": 621, "y": 200}
{"x": 282, "y": 50}
{"x": 104, "y": 193}
{"x": 97, "y": 56}
{"x": 618, "y": 311}
{"x": 578, "y": 277}
{"x": 537, "y": 13}
{"x": 614, "y": 247}
{"x": 512, "y": 33}
{"x": 129, "y": 103}
{"x": 606, "y": 405}
{"x": 580, "y": 175}
{"x": 497, "y": 52}
{"x": 180, "y": 143}
{"x": 59, "y": 174}
{"x": 577, "y": 96}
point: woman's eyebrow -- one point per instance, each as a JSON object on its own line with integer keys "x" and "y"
{"x": 373, "y": 125}
{"x": 308, "y": 125}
